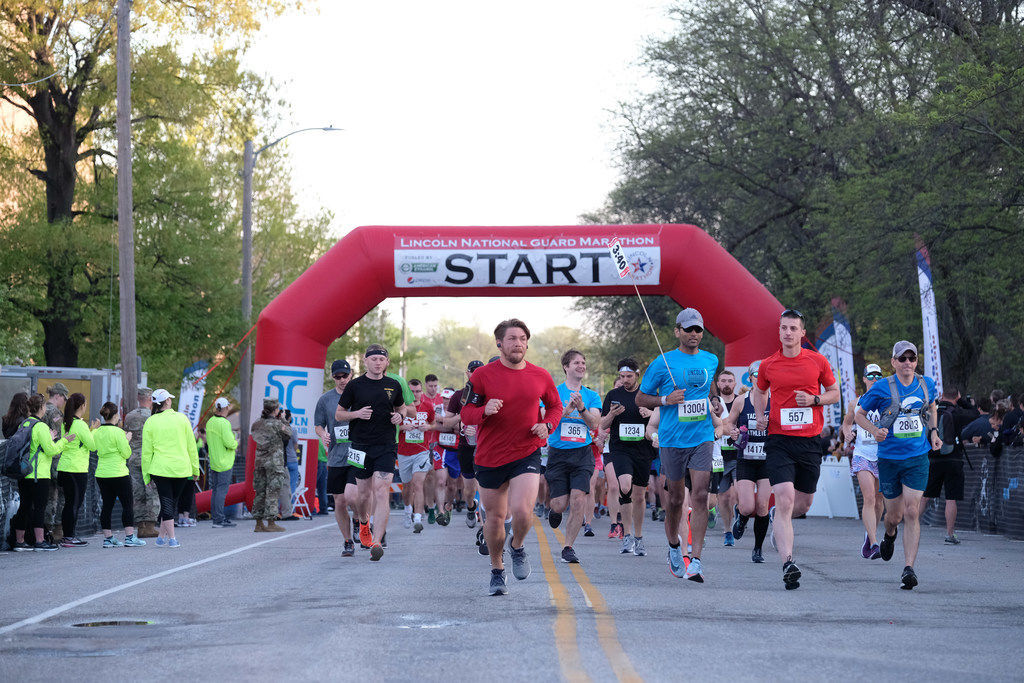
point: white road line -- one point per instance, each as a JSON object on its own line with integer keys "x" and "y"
{"x": 159, "y": 575}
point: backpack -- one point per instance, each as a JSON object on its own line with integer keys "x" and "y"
{"x": 17, "y": 459}
{"x": 947, "y": 432}
{"x": 888, "y": 416}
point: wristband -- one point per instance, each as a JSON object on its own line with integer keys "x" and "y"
{"x": 817, "y": 400}
{"x": 663, "y": 399}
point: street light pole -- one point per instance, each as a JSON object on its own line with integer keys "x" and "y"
{"x": 245, "y": 377}
{"x": 125, "y": 220}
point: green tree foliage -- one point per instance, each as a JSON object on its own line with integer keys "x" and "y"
{"x": 192, "y": 113}
{"x": 817, "y": 141}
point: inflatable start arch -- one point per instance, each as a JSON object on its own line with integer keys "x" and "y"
{"x": 373, "y": 263}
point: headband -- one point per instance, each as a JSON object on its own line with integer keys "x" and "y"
{"x": 626, "y": 368}
{"x": 375, "y": 352}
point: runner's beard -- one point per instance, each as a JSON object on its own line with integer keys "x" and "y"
{"x": 725, "y": 391}
{"x": 515, "y": 356}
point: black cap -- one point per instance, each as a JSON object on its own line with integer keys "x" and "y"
{"x": 341, "y": 366}
{"x": 473, "y": 365}
{"x": 493, "y": 358}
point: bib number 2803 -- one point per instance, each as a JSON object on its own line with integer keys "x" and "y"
{"x": 907, "y": 427}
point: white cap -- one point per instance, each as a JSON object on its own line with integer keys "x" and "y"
{"x": 161, "y": 395}
{"x": 221, "y": 403}
{"x": 872, "y": 368}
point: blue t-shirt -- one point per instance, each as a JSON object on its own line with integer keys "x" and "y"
{"x": 908, "y": 435}
{"x": 572, "y": 431}
{"x": 688, "y": 424}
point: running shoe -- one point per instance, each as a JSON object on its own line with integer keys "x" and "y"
{"x": 459, "y": 505}
{"x": 417, "y": 527}
{"x": 654, "y": 514}
{"x": 739, "y": 526}
{"x": 173, "y": 543}
{"x": 865, "y": 550}
{"x": 471, "y": 518}
{"x": 554, "y": 519}
{"x": 349, "y": 550}
{"x": 178, "y": 524}
{"x": 112, "y": 542}
{"x": 21, "y": 547}
{"x": 498, "y": 585}
{"x": 508, "y": 529}
{"x": 520, "y": 563}
{"x": 875, "y": 552}
{"x": 216, "y": 525}
{"x": 160, "y": 543}
{"x": 909, "y": 578}
{"x": 444, "y": 518}
{"x": 756, "y": 557}
{"x": 693, "y": 571}
{"x": 587, "y": 531}
{"x": 228, "y": 523}
{"x": 791, "y": 575}
{"x": 729, "y": 540}
{"x": 712, "y": 518}
{"x": 627, "y": 545}
{"x": 66, "y": 542}
{"x": 676, "y": 563}
{"x": 538, "y": 510}
{"x": 384, "y": 541}
{"x": 888, "y": 545}
{"x": 355, "y": 527}
{"x": 481, "y": 542}
{"x": 365, "y": 537}
{"x": 431, "y": 516}
{"x": 614, "y": 531}
{"x": 569, "y": 555}
{"x": 639, "y": 549}
{"x": 952, "y": 540}
{"x": 661, "y": 514}
{"x": 45, "y": 546}
{"x": 376, "y": 551}
{"x": 407, "y": 522}
{"x": 771, "y": 514}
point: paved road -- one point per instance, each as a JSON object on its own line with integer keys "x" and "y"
{"x": 290, "y": 606}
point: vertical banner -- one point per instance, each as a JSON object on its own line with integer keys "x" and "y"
{"x": 844, "y": 355}
{"x": 827, "y": 346}
{"x": 929, "y": 317}
{"x": 190, "y": 396}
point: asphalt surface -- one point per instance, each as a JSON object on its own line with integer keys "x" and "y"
{"x": 292, "y": 606}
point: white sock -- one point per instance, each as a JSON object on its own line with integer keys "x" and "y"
{"x": 417, "y": 517}
{"x": 408, "y": 509}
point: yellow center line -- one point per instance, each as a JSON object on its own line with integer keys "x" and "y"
{"x": 607, "y": 634}
{"x": 565, "y": 618}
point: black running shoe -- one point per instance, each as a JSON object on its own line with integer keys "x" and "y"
{"x": 887, "y": 545}
{"x": 791, "y": 575}
{"x": 498, "y": 585}
{"x": 756, "y": 557}
{"x": 909, "y": 579}
{"x": 554, "y": 519}
{"x": 349, "y": 550}
{"x": 739, "y": 526}
{"x": 569, "y": 555}
{"x": 482, "y": 545}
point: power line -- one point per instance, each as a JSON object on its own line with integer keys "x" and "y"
{"x": 18, "y": 85}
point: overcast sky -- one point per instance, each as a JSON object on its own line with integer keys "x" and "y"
{"x": 458, "y": 113}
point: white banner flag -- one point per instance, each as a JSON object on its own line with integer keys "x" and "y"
{"x": 827, "y": 347}
{"x": 929, "y": 319}
{"x": 844, "y": 357}
{"x": 190, "y": 396}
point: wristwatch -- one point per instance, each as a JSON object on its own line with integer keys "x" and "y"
{"x": 551, "y": 427}
{"x": 817, "y": 400}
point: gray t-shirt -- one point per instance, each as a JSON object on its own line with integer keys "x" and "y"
{"x": 337, "y": 456}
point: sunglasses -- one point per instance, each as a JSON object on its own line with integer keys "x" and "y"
{"x": 873, "y": 375}
{"x": 790, "y": 312}
{"x": 340, "y": 376}
{"x": 691, "y": 328}
{"x": 907, "y": 358}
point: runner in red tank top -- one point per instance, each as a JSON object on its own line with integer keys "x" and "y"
{"x": 503, "y": 400}
{"x": 793, "y": 452}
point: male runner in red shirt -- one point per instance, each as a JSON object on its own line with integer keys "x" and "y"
{"x": 792, "y": 450}
{"x": 503, "y": 400}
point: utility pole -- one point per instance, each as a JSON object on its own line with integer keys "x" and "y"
{"x": 125, "y": 221}
{"x": 405, "y": 340}
{"x": 245, "y": 378}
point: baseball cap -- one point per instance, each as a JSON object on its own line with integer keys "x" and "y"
{"x": 902, "y": 347}
{"x": 161, "y": 395}
{"x": 145, "y": 392}
{"x": 221, "y": 403}
{"x": 872, "y": 369}
{"x": 58, "y": 388}
{"x": 341, "y": 365}
{"x": 473, "y": 365}
{"x": 270, "y": 404}
{"x": 688, "y": 317}
{"x": 753, "y": 368}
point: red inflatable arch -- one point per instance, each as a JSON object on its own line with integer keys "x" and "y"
{"x": 373, "y": 263}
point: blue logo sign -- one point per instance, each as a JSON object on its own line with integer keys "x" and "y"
{"x": 285, "y": 381}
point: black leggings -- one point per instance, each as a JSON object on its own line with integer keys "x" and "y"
{"x": 187, "y": 499}
{"x": 34, "y": 495}
{"x": 169, "y": 489}
{"x": 73, "y": 484}
{"x": 113, "y": 489}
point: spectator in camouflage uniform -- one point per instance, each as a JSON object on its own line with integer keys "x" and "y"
{"x": 270, "y": 477}
{"x": 146, "y": 500}
{"x": 54, "y": 419}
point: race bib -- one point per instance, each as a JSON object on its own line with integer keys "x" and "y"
{"x": 717, "y": 463}
{"x": 754, "y": 450}
{"x": 795, "y": 418}
{"x": 573, "y": 432}
{"x": 907, "y": 427}
{"x": 631, "y": 432}
{"x": 356, "y": 458}
{"x": 693, "y": 411}
{"x": 414, "y": 436}
{"x": 341, "y": 432}
{"x": 447, "y": 440}
{"x": 864, "y": 437}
